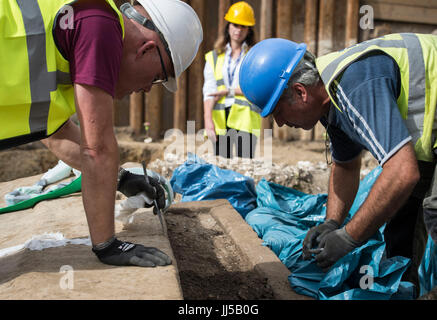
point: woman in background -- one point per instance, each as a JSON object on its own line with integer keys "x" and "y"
{"x": 225, "y": 107}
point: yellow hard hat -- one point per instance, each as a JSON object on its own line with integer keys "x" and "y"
{"x": 241, "y": 13}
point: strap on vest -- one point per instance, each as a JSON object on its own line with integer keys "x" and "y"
{"x": 214, "y": 58}
{"x": 328, "y": 72}
{"x": 220, "y": 82}
{"x": 42, "y": 82}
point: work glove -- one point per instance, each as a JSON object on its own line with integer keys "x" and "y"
{"x": 130, "y": 184}
{"x": 334, "y": 246}
{"x": 121, "y": 253}
{"x": 315, "y": 236}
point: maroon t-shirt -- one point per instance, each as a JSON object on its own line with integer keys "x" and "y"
{"x": 93, "y": 46}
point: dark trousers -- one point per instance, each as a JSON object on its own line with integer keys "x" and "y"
{"x": 405, "y": 234}
{"x": 244, "y": 142}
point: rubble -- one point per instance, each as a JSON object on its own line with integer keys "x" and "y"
{"x": 305, "y": 176}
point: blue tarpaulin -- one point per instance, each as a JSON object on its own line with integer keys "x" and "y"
{"x": 282, "y": 220}
{"x": 198, "y": 180}
{"x": 428, "y": 268}
{"x": 281, "y": 216}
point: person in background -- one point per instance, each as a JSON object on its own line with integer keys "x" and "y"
{"x": 225, "y": 106}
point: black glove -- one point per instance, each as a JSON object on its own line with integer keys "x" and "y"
{"x": 130, "y": 184}
{"x": 334, "y": 246}
{"x": 121, "y": 253}
{"x": 315, "y": 236}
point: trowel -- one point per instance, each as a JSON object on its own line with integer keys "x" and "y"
{"x": 161, "y": 219}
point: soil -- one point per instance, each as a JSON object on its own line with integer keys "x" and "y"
{"x": 210, "y": 266}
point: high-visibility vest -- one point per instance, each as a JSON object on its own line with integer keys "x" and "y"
{"x": 416, "y": 56}
{"x": 36, "y": 93}
{"x": 243, "y": 116}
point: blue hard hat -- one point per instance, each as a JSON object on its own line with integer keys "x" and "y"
{"x": 266, "y": 69}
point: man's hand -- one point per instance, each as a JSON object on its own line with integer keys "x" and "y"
{"x": 131, "y": 184}
{"x": 315, "y": 236}
{"x": 219, "y": 94}
{"x": 210, "y": 130}
{"x": 334, "y": 246}
{"x": 121, "y": 253}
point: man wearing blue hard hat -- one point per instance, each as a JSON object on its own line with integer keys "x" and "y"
{"x": 380, "y": 96}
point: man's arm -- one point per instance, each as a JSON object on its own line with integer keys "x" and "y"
{"x": 99, "y": 160}
{"x": 393, "y": 186}
{"x": 208, "y": 105}
{"x": 343, "y": 186}
{"x": 65, "y": 144}
{"x": 397, "y": 180}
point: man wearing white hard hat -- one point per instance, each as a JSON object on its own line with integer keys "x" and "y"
{"x": 59, "y": 57}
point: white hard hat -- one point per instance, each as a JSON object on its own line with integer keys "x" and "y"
{"x": 181, "y": 28}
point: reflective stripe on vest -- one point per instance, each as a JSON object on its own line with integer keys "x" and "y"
{"x": 245, "y": 103}
{"x": 220, "y": 82}
{"x": 42, "y": 82}
{"x": 243, "y": 115}
{"x": 414, "y": 101}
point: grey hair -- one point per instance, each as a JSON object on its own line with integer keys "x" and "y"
{"x": 305, "y": 73}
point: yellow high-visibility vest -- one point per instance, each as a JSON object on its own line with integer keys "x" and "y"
{"x": 243, "y": 116}
{"x": 416, "y": 56}
{"x": 36, "y": 93}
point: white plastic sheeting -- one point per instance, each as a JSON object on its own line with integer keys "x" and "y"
{"x": 55, "y": 174}
{"x": 44, "y": 241}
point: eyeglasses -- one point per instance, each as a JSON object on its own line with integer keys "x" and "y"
{"x": 129, "y": 11}
{"x": 156, "y": 81}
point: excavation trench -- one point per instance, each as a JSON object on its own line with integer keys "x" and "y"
{"x": 211, "y": 266}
